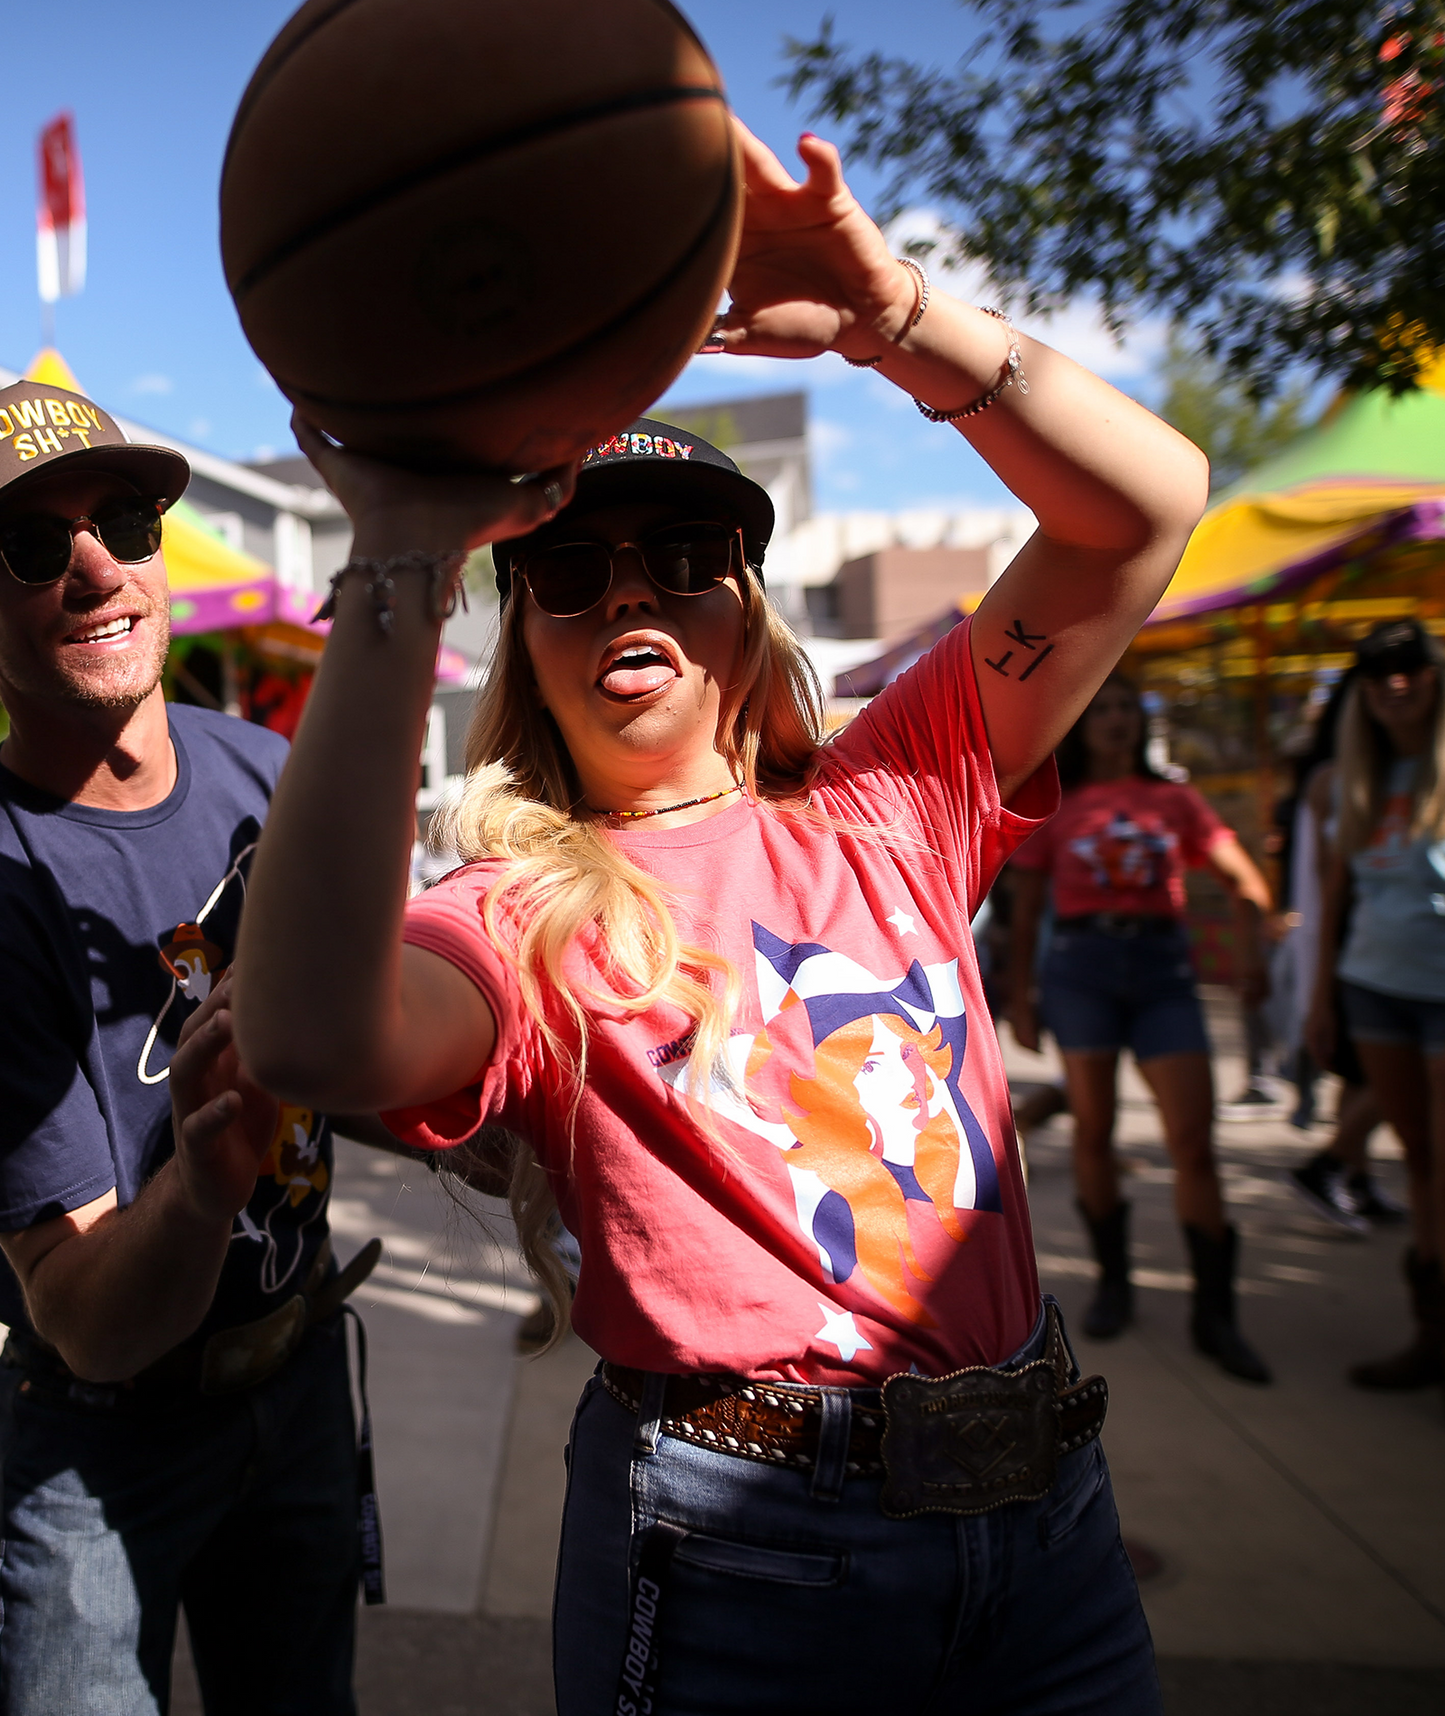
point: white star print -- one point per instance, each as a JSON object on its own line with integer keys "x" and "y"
{"x": 901, "y": 921}
{"x": 839, "y": 1328}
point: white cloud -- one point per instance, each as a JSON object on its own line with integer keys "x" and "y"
{"x": 152, "y": 384}
{"x": 827, "y": 438}
{"x": 263, "y": 454}
{"x": 199, "y": 428}
{"x": 264, "y": 381}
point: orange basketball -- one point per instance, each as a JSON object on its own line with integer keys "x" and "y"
{"x": 465, "y": 232}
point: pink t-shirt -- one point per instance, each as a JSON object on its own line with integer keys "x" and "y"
{"x": 861, "y": 1210}
{"x": 1123, "y": 846}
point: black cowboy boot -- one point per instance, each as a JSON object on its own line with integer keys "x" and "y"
{"x": 1422, "y": 1363}
{"x": 1213, "y": 1324}
{"x": 1112, "y": 1308}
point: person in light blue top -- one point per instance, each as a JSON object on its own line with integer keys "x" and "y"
{"x": 1390, "y": 848}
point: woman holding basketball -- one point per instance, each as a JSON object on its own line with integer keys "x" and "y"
{"x": 686, "y": 934}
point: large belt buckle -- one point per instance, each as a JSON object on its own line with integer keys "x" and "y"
{"x": 969, "y": 1442}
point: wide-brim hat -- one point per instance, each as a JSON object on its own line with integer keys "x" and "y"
{"x": 45, "y": 429}
{"x": 650, "y": 460}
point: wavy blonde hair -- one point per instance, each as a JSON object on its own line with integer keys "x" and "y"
{"x": 1365, "y": 755}
{"x": 566, "y": 883}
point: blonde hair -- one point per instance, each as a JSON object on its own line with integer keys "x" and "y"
{"x": 565, "y": 883}
{"x": 1365, "y": 755}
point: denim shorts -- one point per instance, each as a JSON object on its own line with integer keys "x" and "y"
{"x": 1102, "y": 992}
{"x": 784, "y": 1602}
{"x": 1374, "y": 1017}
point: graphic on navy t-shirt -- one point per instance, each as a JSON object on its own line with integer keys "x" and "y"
{"x": 114, "y": 927}
{"x": 295, "y": 1171}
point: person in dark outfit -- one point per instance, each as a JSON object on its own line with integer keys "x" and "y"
{"x": 175, "y": 1414}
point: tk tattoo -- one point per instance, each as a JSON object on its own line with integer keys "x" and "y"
{"x": 1028, "y": 640}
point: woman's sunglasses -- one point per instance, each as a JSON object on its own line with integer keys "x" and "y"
{"x": 568, "y": 578}
{"x": 36, "y": 546}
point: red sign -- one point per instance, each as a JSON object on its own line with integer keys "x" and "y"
{"x": 60, "y": 234}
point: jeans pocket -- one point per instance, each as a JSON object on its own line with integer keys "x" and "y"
{"x": 1082, "y": 1475}
{"x": 762, "y": 1561}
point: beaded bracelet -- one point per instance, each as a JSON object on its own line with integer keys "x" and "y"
{"x": 443, "y": 571}
{"x": 1013, "y": 377}
{"x": 921, "y": 274}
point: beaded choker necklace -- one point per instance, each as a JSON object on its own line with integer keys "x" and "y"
{"x": 664, "y": 809}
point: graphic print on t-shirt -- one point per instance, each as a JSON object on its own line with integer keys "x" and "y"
{"x": 197, "y": 955}
{"x": 856, "y": 1078}
{"x": 1124, "y": 854}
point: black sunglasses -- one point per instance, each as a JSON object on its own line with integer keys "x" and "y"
{"x": 568, "y": 578}
{"x": 36, "y": 546}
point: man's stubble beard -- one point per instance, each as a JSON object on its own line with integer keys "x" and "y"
{"x": 91, "y": 691}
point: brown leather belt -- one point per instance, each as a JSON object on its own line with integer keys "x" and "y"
{"x": 779, "y": 1424}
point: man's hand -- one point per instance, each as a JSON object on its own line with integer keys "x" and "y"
{"x": 224, "y": 1122}
{"x": 813, "y": 272}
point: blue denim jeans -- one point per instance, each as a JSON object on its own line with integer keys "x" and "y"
{"x": 1100, "y": 992}
{"x": 241, "y": 1507}
{"x": 780, "y": 1602}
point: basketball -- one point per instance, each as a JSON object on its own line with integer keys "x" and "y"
{"x": 466, "y": 233}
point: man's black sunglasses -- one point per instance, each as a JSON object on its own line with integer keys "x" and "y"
{"x": 36, "y": 546}
{"x": 568, "y": 578}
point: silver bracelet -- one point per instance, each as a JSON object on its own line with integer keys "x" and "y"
{"x": 921, "y": 273}
{"x": 444, "y": 585}
{"x": 1013, "y": 376}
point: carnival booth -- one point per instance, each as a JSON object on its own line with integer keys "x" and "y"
{"x": 1289, "y": 566}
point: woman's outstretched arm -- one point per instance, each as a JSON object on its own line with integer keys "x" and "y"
{"x": 331, "y": 1008}
{"x": 1116, "y": 492}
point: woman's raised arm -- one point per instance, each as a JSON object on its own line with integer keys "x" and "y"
{"x": 330, "y": 1008}
{"x": 1116, "y": 492}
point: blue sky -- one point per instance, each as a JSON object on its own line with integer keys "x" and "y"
{"x": 153, "y": 84}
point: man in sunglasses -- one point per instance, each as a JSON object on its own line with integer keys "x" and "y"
{"x": 175, "y": 1416}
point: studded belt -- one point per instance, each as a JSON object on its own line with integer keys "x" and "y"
{"x": 996, "y": 1433}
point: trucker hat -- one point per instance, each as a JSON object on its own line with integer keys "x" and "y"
{"x": 650, "y": 460}
{"x": 1398, "y": 646}
{"x": 44, "y": 429}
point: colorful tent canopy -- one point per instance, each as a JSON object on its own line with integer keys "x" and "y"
{"x": 1351, "y": 516}
{"x": 1374, "y": 467}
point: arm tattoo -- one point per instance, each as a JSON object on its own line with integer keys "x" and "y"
{"x": 1019, "y": 634}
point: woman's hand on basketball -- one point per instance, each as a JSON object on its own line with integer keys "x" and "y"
{"x": 393, "y": 509}
{"x": 813, "y": 273}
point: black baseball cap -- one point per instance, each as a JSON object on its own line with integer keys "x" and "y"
{"x": 45, "y": 429}
{"x": 650, "y": 460}
{"x": 1398, "y": 646}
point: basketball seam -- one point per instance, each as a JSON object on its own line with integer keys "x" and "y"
{"x": 619, "y": 320}
{"x": 254, "y": 91}
{"x": 457, "y": 159}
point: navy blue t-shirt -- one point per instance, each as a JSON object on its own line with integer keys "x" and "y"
{"x": 114, "y": 926}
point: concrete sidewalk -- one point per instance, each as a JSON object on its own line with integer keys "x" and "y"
{"x": 1298, "y": 1528}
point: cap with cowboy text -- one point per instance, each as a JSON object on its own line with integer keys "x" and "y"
{"x": 657, "y": 461}
{"x": 1398, "y": 646}
{"x": 45, "y": 429}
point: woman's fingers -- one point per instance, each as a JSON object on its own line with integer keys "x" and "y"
{"x": 762, "y": 170}
{"x": 824, "y": 164}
